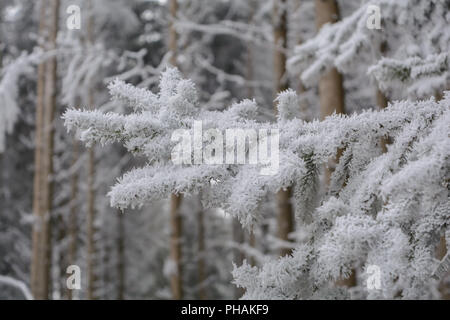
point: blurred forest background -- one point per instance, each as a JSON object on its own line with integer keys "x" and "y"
{"x": 54, "y": 211}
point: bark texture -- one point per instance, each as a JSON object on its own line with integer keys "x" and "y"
{"x": 331, "y": 96}
{"x": 43, "y": 176}
{"x": 285, "y": 210}
{"x": 73, "y": 213}
{"x": 91, "y": 219}
{"x": 201, "y": 267}
{"x": 176, "y": 281}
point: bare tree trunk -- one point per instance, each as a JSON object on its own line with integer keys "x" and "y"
{"x": 176, "y": 281}
{"x": 280, "y": 43}
{"x": 43, "y": 185}
{"x": 201, "y": 254}
{"x": 285, "y": 218}
{"x": 252, "y": 243}
{"x": 331, "y": 95}
{"x": 441, "y": 251}
{"x": 382, "y": 103}
{"x": 173, "y": 37}
{"x": 238, "y": 239}
{"x": 331, "y": 90}
{"x": 251, "y": 92}
{"x": 285, "y": 210}
{"x": 92, "y": 230}
{"x": 49, "y": 117}
{"x": 61, "y": 255}
{"x": 73, "y": 221}
{"x": 37, "y": 276}
{"x": 120, "y": 257}
{"x": 250, "y": 68}
{"x": 300, "y": 86}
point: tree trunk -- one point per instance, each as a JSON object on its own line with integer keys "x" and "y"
{"x": 300, "y": 87}
{"x": 61, "y": 254}
{"x": 37, "y": 276}
{"x": 331, "y": 90}
{"x": 331, "y": 95}
{"x": 285, "y": 210}
{"x": 238, "y": 239}
{"x": 120, "y": 257}
{"x": 441, "y": 249}
{"x": 252, "y": 244}
{"x": 43, "y": 185}
{"x": 91, "y": 228}
{"x": 73, "y": 221}
{"x": 382, "y": 103}
{"x": 173, "y": 37}
{"x": 201, "y": 254}
{"x": 250, "y": 71}
{"x": 176, "y": 281}
{"x": 92, "y": 231}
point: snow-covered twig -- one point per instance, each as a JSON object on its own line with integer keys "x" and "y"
{"x": 18, "y": 285}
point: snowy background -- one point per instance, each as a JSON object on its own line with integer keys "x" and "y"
{"x": 92, "y": 91}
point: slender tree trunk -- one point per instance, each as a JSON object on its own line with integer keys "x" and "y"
{"x": 331, "y": 95}
{"x": 43, "y": 185}
{"x": 61, "y": 245}
{"x": 201, "y": 254}
{"x": 173, "y": 37}
{"x": 176, "y": 281}
{"x": 49, "y": 117}
{"x": 331, "y": 90}
{"x": 73, "y": 221}
{"x": 285, "y": 210}
{"x": 252, "y": 243}
{"x": 92, "y": 230}
{"x": 250, "y": 68}
{"x": 441, "y": 249}
{"x": 37, "y": 276}
{"x": 120, "y": 257}
{"x": 300, "y": 86}
{"x": 382, "y": 103}
{"x": 251, "y": 92}
{"x": 175, "y": 247}
{"x": 238, "y": 239}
